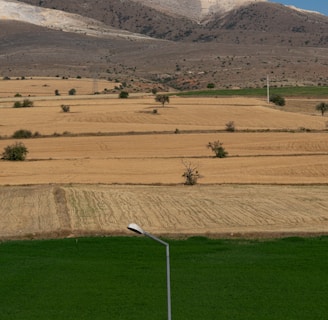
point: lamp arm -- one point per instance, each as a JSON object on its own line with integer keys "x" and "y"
{"x": 156, "y": 239}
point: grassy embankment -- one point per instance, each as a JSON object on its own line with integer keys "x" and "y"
{"x": 125, "y": 278}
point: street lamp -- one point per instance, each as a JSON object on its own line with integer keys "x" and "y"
{"x": 135, "y": 228}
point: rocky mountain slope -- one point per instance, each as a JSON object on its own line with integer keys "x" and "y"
{"x": 231, "y": 48}
{"x": 60, "y": 20}
{"x": 197, "y": 10}
{"x": 175, "y": 20}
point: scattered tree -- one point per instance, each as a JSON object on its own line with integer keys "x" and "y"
{"x": 162, "y": 98}
{"x": 72, "y": 92}
{"x": 124, "y": 95}
{"x": 322, "y": 107}
{"x": 210, "y": 86}
{"x": 230, "y": 126}
{"x": 154, "y": 91}
{"x": 17, "y": 95}
{"x": 218, "y": 149}
{"x": 25, "y": 104}
{"x": 190, "y": 174}
{"x": 277, "y": 100}
{"x": 57, "y": 92}
{"x": 15, "y": 152}
{"x": 65, "y": 108}
{"x": 17, "y": 104}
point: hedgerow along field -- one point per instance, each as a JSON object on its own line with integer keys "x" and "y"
{"x": 125, "y": 278}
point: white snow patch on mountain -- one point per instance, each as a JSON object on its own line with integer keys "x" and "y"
{"x": 196, "y": 9}
{"x": 59, "y": 20}
{"x": 302, "y": 10}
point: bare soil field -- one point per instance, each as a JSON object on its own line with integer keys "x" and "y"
{"x": 113, "y": 161}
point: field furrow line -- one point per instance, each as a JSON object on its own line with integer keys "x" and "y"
{"x": 62, "y": 208}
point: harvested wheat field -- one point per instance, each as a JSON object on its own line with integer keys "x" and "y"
{"x": 109, "y": 162}
{"x": 212, "y": 210}
{"x": 42, "y": 86}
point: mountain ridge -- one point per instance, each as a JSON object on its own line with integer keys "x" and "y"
{"x": 237, "y": 48}
{"x": 136, "y": 17}
{"x": 60, "y": 20}
{"x": 196, "y": 9}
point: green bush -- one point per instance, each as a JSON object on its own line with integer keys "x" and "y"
{"x": 124, "y": 95}
{"x": 210, "y": 86}
{"x": 217, "y": 148}
{"x": 190, "y": 174}
{"x": 277, "y": 100}
{"x": 15, "y": 152}
{"x": 22, "y": 134}
{"x": 72, "y": 92}
{"x": 230, "y": 126}
{"x": 154, "y": 90}
{"x": 25, "y": 104}
{"x": 17, "y": 104}
{"x": 65, "y": 108}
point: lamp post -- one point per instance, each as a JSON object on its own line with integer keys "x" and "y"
{"x": 135, "y": 228}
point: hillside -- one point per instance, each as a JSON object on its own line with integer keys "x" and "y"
{"x": 235, "y": 48}
{"x": 176, "y": 21}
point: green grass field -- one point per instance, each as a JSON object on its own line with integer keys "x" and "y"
{"x": 125, "y": 278}
{"x": 259, "y": 92}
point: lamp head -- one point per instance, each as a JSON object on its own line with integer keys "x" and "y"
{"x": 135, "y": 228}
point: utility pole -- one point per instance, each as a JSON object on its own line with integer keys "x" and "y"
{"x": 268, "y": 89}
{"x": 95, "y": 83}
